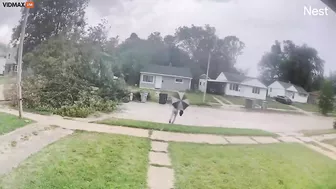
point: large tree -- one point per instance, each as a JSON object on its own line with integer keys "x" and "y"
{"x": 50, "y": 18}
{"x": 198, "y": 42}
{"x": 300, "y": 65}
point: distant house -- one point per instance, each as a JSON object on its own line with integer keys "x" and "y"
{"x": 165, "y": 78}
{"x": 2, "y": 62}
{"x": 234, "y": 85}
{"x": 294, "y": 92}
{"x": 313, "y": 97}
{"x": 3, "y": 52}
{"x": 11, "y": 63}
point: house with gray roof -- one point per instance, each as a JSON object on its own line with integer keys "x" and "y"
{"x": 3, "y": 52}
{"x": 234, "y": 85}
{"x": 165, "y": 77}
{"x": 294, "y": 92}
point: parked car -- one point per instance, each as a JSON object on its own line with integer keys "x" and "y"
{"x": 283, "y": 100}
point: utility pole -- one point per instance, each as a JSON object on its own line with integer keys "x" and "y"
{"x": 207, "y": 73}
{"x": 207, "y": 76}
{"x": 19, "y": 64}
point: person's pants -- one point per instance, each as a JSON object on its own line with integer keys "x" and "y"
{"x": 173, "y": 117}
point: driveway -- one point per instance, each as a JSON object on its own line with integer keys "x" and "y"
{"x": 220, "y": 117}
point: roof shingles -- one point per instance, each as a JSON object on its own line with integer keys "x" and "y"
{"x": 298, "y": 88}
{"x": 167, "y": 70}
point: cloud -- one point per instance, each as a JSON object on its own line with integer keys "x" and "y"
{"x": 257, "y": 23}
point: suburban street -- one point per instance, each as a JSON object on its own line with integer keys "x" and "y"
{"x": 222, "y": 117}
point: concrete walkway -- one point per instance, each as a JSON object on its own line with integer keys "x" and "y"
{"x": 226, "y": 100}
{"x": 160, "y": 172}
{"x": 23, "y": 142}
{"x": 16, "y": 146}
{"x": 222, "y": 103}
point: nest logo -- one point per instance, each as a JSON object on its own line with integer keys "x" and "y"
{"x": 28, "y": 4}
{"x": 311, "y": 11}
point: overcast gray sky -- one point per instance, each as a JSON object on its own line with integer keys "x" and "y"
{"x": 258, "y": 23}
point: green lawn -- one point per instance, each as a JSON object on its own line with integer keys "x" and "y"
{"x": 275, "y": 166}
{"x": 197, "y": 99}
{"x": 318, "y": 132}
{"x": 307, "y": 107}
{"x": 235, "y": 100}
{"x": 6, "y": 79}
{"x": 185, "y": 128}
{"x": 3, "y": 80}
{"x": 274, "y": 104}
{"x": 84, "y": 160}
{"x": 10, "y": 122}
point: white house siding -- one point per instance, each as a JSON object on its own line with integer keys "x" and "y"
{"x": 301, "y": 99}
{"x": 276, "y": 89}
{"x": 221, "y": 77}
{"x": 201, "y": 85}
{"x": 168, "y": 83}
{"x": 246, "y": 92}
{"x": 254, "y": 83}
{"x": 2, "y": 65}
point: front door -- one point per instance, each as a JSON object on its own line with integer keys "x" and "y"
{"x": 158, "y": 82}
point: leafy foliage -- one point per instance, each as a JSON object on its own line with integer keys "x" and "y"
{"x": 326, "y": 101}
{"x": 72, "y": 76}
{"x": 301, "y": 65}
{"x": 51, "y": 18}
{"x": 188, "y": 47}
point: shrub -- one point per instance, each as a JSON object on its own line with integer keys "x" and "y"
{"x": 326, "y": 100}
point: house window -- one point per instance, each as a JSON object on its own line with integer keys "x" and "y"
{"x": 148, "y": 78}
{"x": 270, "y": 89}
{"x": 233, "y": 87}
{"x": 200, "y": 83}
{"x": 256, "y": 90}
{"x": 178, "y": 80}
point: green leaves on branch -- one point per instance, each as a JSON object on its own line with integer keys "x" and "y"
{"x": 326, "y": 100}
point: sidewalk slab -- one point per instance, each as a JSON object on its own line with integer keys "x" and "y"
{"x": 324, "y": 152}
{"x": 240, "y": 140}
{"x": 306, "y": 139}
{"x": 194, "y": 138}
{"x": 324, "y": 137}
{"x": 289, "y": 139}
{"x": 160, "y": 146}
{"x": 160, "y": 178}
{"x": 265, "y": 140}
{"x": 159, "y": 158}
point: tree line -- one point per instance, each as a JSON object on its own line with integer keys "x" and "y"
{"x": 60, "y": 53}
